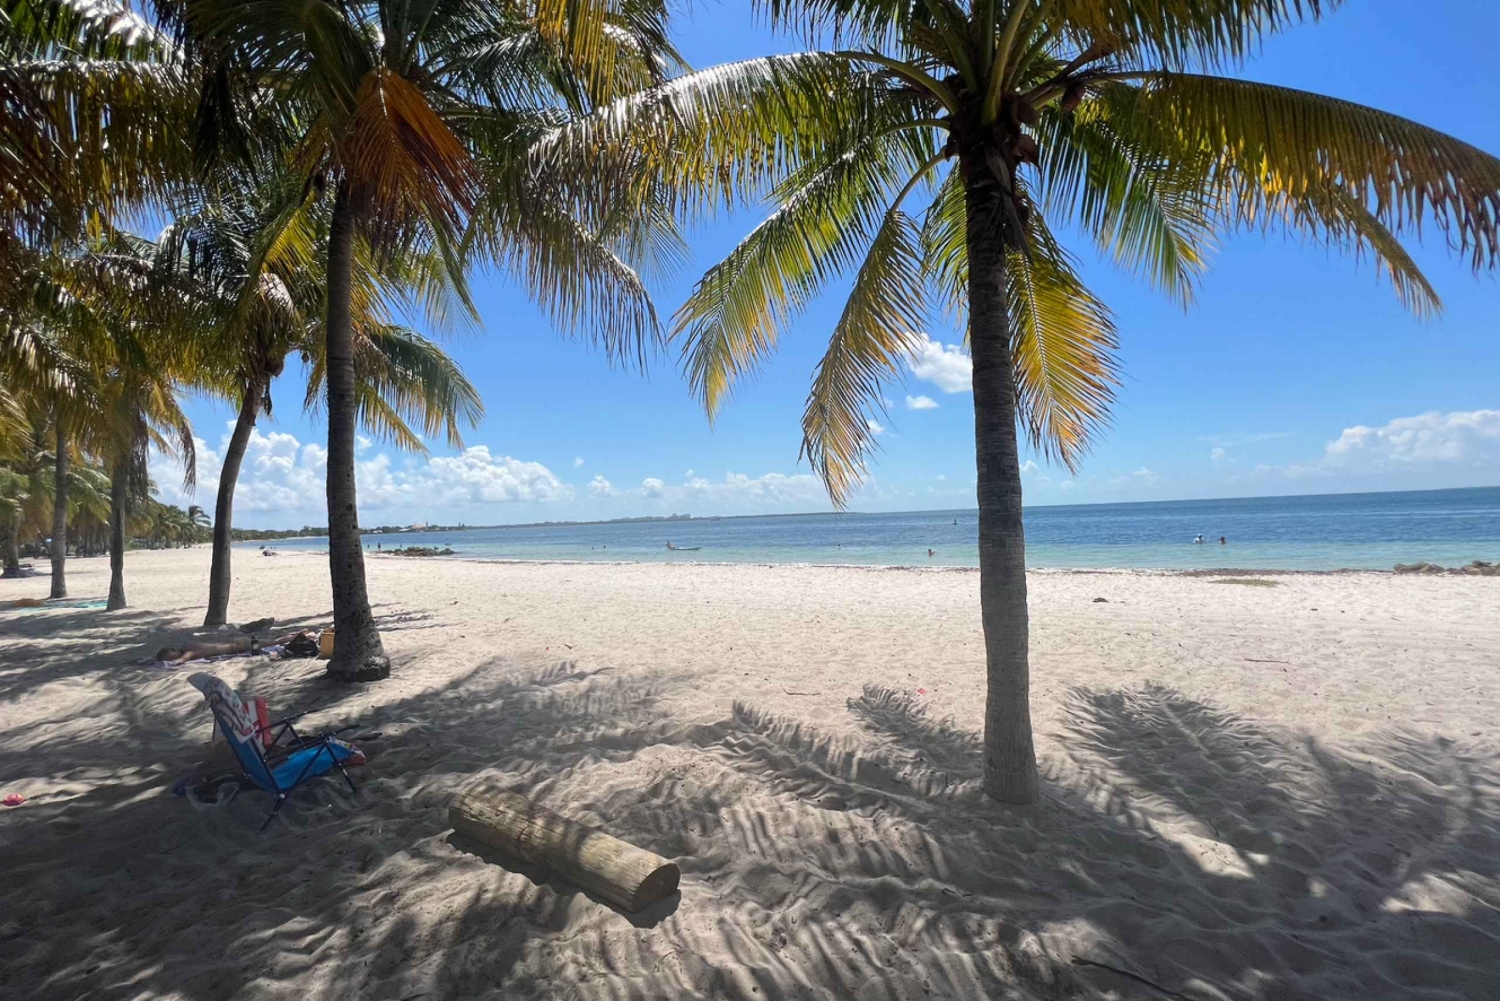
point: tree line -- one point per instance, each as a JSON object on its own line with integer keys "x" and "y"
{"x": 333, "y": 168}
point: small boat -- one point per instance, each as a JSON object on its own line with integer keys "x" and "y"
{"x": 686, "y": 549}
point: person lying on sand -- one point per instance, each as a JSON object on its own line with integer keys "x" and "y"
{"x": 203, "y": 650}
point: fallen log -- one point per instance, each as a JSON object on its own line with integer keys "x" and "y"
{"x": 619, "y": 872}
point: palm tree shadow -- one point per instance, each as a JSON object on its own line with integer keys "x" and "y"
{"x": 1182, "y": 849}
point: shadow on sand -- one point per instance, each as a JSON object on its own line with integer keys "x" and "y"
{"x": 1182, "y": 851}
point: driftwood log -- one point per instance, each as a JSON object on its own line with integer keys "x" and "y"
{"x": 621, "y": 873}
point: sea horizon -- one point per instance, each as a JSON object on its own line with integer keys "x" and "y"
{"x": 1307, "y": 532}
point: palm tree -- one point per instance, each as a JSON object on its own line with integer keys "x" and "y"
{"x": 272, "y": 313}
{"x": 399, "y": 109}
{"x": 1011, "y": 116}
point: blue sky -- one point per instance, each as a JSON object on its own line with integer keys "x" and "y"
{"x": 1296, "y": 371}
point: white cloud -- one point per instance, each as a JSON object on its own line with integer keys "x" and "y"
{"x": 688, "y": 475}
{"x": 921, "y": 403}
{"x": 652, "y": 487}
{"x": 578, "y": 462}
{"x": 600, "y": 487}
{"x": 283, "y": 482}
{"x": 876, "y": 428}
{"x": 1142, "y": 477}
{"x": 1457, "y": 448}
{"x": 1460, "y": 438}
{"x": 1217, "y": 454}
{"x": 947, "y": 366}
{"x": 1029, "y": 466}
{"x": 1066, "y": 485}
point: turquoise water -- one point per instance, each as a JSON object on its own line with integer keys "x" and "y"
{"x": 1327, "y": 532}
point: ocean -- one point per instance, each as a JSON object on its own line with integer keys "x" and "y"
{"x": 1324, "y": 532}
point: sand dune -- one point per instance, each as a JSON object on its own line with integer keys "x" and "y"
{"x": 1251, "y": 792}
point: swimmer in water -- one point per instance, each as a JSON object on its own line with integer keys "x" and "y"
{"x": 929, "y": 554}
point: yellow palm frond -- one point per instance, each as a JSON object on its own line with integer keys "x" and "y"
{"x": 403, "y": 160}
{"x": 1063, "y": 346}
{"x": 880, "y": 325}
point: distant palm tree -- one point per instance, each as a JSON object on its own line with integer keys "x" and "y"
{"x": 416, "y": 118}
{"x": 257, "y": 282}
{"x": 1012, "y": 115}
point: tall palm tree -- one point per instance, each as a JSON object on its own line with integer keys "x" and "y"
{"x": 1007, "y": 116}
{"x": 399, "y": 109}
{"x": 268, "y": 314}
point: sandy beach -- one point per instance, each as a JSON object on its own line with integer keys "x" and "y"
{"x": 1285, "y": 792}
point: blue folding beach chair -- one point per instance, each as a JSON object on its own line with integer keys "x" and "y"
{"x": 291, "y": 762}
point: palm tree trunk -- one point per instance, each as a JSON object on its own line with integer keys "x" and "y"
{"x": 357, "y": 651}
{"x": 60, "y": 515}
{"x": 119, "y": 485}
{"x": 218, "y": 574}
{"x": 1010, "y": 774}
{"x": 13, "y": 547}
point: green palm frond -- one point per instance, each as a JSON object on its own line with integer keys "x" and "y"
{"x": 880, "y": 325}
{"x": 1177, "y": 32}
{"x": 1147, "y": 211}
{"x": 721, "y": 136}
{"x": 827, "y": 211}
{"x": 1277, "y": 154}
{"x": 416, "y": 380}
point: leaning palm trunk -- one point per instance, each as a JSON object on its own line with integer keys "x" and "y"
{"x": 219, "y": 578}
{"x": 357, "y": 651}
{"x": 119, "y": 488}
{"x": 60, "y": 516}
{"x": 1009, "y": 758}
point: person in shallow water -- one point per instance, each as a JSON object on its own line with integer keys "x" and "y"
{"x": 1198, "y": 539}
{"x": 929, "y": 554}
{"x": 1223, "y": 541}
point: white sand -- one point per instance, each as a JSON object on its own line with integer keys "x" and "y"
{"x": 1283, "y": 792}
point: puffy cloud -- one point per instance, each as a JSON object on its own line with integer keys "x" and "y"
{"x": 1457, "y": 448}
{"x": 472, "y": 478}
{"x": 600, "y": 487}
{"x": 1217, "y": 454}
{"x": 282, "y": 481}
{"x": 1459, "y": 438}
{"x": 947, "y": 366}
{"x": 578, "y": 462}
{"x": 921, "y": 403}
{"x": 876, "y": 428}
{"x": 1029, "y": 466}
{"x": 652, "y": 487}
{"x": 1067, "y": 485}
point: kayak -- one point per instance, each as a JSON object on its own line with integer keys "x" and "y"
{"x": 686, "y": 549}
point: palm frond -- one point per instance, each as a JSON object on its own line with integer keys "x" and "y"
{"x": 1063, "y": 347}
{"x": 1278, "y": 154}
{"x": 1179, "y": 33}
{"x": 1149, "y": 212}
{"x": 827, "y": 212}
{"x": 879, "y": 326}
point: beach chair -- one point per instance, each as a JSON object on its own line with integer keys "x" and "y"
{"x": 289, "y": 759}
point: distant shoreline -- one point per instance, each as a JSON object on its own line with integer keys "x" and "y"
{"x": 969, "y": 511}
{"x": 459, "y": 557}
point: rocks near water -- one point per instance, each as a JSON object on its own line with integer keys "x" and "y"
{"x": 422, "y": 551}
{"x": 1479, "y": 568}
